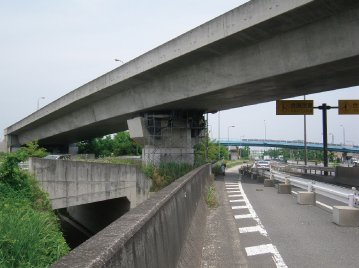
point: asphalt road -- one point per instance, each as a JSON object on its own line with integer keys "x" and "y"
{"x": 254, "y": 226}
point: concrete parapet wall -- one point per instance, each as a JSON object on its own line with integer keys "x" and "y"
{"x": 347, "y": 175}
{"x": 72, "y": 183}
{"x": 151, "y": 235}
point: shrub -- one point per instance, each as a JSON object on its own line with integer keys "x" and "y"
{"x": 166, "y": 173}
{"x": 211, "y": 199}
{"x": 29, "y": 230}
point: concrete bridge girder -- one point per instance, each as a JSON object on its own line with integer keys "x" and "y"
{"x": 233, "y": 72}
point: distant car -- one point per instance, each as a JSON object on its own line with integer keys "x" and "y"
{"x": 57, "y": 156}
{"x": 262, "y": 164}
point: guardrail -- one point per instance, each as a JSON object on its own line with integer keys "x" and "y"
{"x": 345, "y": 195}
{"x": 308, "y": 169}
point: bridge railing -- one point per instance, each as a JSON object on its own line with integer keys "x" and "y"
{"x": 341, "y": 194}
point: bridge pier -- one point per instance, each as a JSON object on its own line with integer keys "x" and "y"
{"x": 11, "y": 143}
{"x": 167, "y": 136}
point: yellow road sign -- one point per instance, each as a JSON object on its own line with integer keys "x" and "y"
{"x": 348, "y": 106}
{"x": 294, "y": 107}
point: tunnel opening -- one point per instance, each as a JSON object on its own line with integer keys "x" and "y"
{"x": 79, "y": 223}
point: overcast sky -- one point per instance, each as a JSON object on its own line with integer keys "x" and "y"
{"x": 49, "y": 48}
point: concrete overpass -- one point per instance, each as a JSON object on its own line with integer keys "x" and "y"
{"x": 290, "y": 144}
{"x": 258, "y": 52}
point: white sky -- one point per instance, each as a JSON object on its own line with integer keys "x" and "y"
{"x": 49, "y": 48}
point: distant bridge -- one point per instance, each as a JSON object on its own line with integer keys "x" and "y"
{"x": 290, "y": 144}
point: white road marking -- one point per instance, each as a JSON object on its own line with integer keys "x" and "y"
{"x": 235, "y": 195}
{"x": 231, "y": 183}
{"x": 244, "y": 216}
{"x": 232, "y": 188}
{"x": 261, "y": 249}
{"x": 258, "y": 250}
{"x": 252, "y": 229}
{"x": 239, "y": 207}
{"x": 237, "y": 201}
{"x": 233, "y": 191}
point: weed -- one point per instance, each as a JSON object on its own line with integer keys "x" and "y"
{"x": 211, "y": 199}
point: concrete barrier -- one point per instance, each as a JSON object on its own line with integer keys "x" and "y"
{"x": 154, "y": 234}
{"x": 72, "y": 183}
{"x": 347, "y": 175}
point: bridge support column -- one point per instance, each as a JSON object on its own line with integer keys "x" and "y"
{"x": 11, "y": 143}
{"x": 167, "y": 136}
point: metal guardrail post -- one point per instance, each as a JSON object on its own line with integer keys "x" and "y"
{"x": 310, "y": 187}
{"x": 351, "y": 196}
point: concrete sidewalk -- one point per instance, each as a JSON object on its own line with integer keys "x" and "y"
{"x": 221, "y": 244}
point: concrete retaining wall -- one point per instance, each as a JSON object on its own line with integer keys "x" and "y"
{"x": 72, "y": 183}
{"x": 151, "y": 235}
{"x": 347, "y": 175}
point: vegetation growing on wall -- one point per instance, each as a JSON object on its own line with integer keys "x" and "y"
{"x": 29, "y": 230}
{"x": 165, "y": 174}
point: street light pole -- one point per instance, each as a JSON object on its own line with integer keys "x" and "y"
{"x": 228, "y": 133}
{"x": 332, "y": 137}
{"x": 219, "y": 134}
{"x": 38, "y": 102}
{"x": 265, "y": 130}
{"x": 343, "y": 134}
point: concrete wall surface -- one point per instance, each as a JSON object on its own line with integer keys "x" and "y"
{"x": 347, "y": 175}
{"x": 3, "y": 146}
{"x": 151, "y": 235}
{"x": 72, "y": 183}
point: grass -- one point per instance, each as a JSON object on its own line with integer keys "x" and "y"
{"x": 211, "y": 199}
{"x": 165, "y": 174}
{"x": 114, "y": 160}
{"x": 29, "y": 231}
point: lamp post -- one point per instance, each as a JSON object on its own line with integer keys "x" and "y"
{"x": 228, "y": 139}
{"x": 38, "y": 102}
{"x": 332, "y": 137}
{"x": 265, "y": 130}
{"x": 343, "y": 134}
{"x": 228, "y": 133}
{"x": 219, "y": 134}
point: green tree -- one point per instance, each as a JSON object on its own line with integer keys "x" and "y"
{"x": 120, "y": 144}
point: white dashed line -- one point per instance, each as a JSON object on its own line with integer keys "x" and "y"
{"x": 237, "y": 201}
{"x": 233, "y": 192}
{"x": 261, "y": 249}
{"x": 235, "y": 195}
{"x": 253, "y": 229}
{"x": 239, "y": 207}
{"x": 244, "y": 216}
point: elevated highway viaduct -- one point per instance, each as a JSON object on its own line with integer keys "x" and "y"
{"x": 258, "y": 52}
